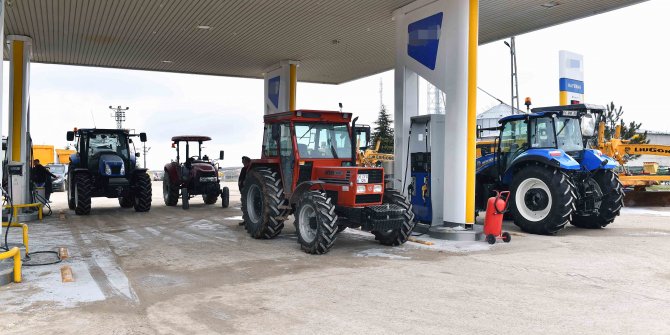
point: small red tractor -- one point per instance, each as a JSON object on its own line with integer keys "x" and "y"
{"x": 196, "y": 175}
{"x": 308, "y": 169}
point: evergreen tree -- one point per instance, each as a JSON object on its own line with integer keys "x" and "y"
{"x": 383, "y": 131}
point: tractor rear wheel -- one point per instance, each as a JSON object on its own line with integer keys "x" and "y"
{"x": 170, "y": 191}
{"x": 262, "y": 196}
{"x": 316, "y": 223}
{"x": 184, "y": 198}
{"x": 126, "y": 202}
{"x": 225, "y": 197}
{"x": 400, "y": 235}
{"x": 83, "y": 185}
{"x": 610, "y": 204}
{"x": 142, "y": 194}
{"x": 542, "y": 199}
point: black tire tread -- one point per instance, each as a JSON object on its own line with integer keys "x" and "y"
{"x": 84, "y": 185}
{"x": 401, "y": 235}
{"x": 273, "y": 193}
{"x": 142, "y": 192}
{"x": 564, "y": 200}
{"x": 611, "y": 204}
{"x": 172, "y": 190}
{"x": 326, "y": 223}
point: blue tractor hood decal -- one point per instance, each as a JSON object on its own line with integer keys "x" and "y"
{"x": 114, "y": 162}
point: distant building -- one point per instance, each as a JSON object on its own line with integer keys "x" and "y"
{"x": 489, "y": 119}
{"x": 654, "y": 137}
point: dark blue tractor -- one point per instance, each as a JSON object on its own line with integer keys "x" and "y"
{"x": 105, "y": 166}
{"x": 544, "y": 159}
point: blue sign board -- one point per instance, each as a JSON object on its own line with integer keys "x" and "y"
{"x": 273, "y": 90}
{"x": 571, "y": 85}
{"x": 424, "y": 38}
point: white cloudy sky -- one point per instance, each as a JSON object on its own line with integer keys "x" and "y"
{"x": 625, "y": 55}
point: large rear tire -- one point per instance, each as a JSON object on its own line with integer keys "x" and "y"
{"x": 542, "y": 199}
{"x": 83, "y": 185}
{"x": 262, "y": 196}
{"x": 610, "y": 204}
{"x": 400, "y": 235}
{"x": 170, "y": 191}
{"x": 315, "y": 223}
{"x": 71, "y": 204}
{"x": 142, "y": 194}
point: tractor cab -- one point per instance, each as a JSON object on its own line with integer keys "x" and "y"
{"x": 308, "y": 168}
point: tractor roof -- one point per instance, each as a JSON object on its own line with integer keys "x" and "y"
{"x": 544, "y": 111}
{"x": 306, "y": 115}
{"x": 191, "y": 138}
{"x": 102, "y": 130}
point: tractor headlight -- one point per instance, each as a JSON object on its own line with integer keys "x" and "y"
{"x": 377, "y": 189}
{"x": 108, "y": 170}
{"x": 360, "y": 189}
{"x": 123, "y": 169}
{"x": 362, "y": 178}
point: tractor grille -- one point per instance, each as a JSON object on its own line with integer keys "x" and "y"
{"x": 375, "y": 176}
{"x": 116, "y": 169}
{"x": 368, "y": 198}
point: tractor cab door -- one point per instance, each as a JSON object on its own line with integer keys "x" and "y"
{"x": 513, "y": 141}
{"x": 286, "y": 156}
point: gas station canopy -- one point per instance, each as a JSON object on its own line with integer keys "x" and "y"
{"x": 334, "y": 40}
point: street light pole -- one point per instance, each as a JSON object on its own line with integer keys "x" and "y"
{"x": 515, "y": 78}
{"x": 119, "y": 115}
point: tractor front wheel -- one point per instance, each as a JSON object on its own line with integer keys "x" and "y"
{"x": 142, "y": 194}
{"x": 170, "y": 191}
{"x": 316, "y": 223}
{"x": 225, "y": 197}
{"x": 71, "y": 204}
{"x": 610, "y": 203}
{"x": 83, "y": 185}
{"x": 262, "y": 196}
{"x": 184, "y": 198}
{"x": 400, "y": 235}
{"x": 542, "y": 199}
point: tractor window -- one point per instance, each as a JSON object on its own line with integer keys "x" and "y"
{"x": 542, "y": 133}
{"x": 107, "y": 143}
{"x": 269, "y": 144}
{"x": 514, "y": 136}
{"x": 317, "y": 140}
{"x": 569, "y": 134}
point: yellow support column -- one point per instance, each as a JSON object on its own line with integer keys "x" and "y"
{"x": 473, "y": 43}
{"x": 293, "y": 80}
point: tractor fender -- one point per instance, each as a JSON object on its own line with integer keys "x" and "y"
{"x": 171, "y": 170}
{"x": 594, "y": 160}
{"x": 546, "y": 157}
{"x": 302, "y": 188}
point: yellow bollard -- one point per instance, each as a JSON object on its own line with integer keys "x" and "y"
{"x": 25, "y": 232}
{"x": 16, "y": 254}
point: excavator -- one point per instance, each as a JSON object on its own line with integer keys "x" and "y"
{"x": 619, "y": 149}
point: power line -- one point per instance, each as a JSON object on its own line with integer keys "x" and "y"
{"x": 119, "y": 115}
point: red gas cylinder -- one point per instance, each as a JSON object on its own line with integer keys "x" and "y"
{"x": 495, "y": 208}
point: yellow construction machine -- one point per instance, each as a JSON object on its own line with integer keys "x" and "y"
{"x": 619, "y": 149}
{"x": 366, "y": 156}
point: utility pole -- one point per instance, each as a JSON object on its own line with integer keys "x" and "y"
{"x": 144, "y": 153}
{"x": 119, "y": 115}
{"x": 515, "y": 78}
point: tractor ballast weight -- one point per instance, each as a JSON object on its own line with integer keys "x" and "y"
{"x": 308, "y": 169}
{"x": 105, "y": 166}
{"x": 544, "y": 159}
{"x": 196, "y": 175}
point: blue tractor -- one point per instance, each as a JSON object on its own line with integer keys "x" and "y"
{"x": 544, "y": 159}
{"x": 105, "y": 166}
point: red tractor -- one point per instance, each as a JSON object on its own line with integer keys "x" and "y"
{"x": 196, "y": 175}
{"x": 308, "y": 169}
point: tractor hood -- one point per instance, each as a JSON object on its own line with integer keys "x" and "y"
{"x": 111, "y": 165}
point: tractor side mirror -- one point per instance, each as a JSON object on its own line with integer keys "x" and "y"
{"x": 70, "y": 136}
{"x": 143, "y": 137}
{"x": 221, "y": 155}
{"x": 130, "y": 140}
{"x": 137, "y": 154}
